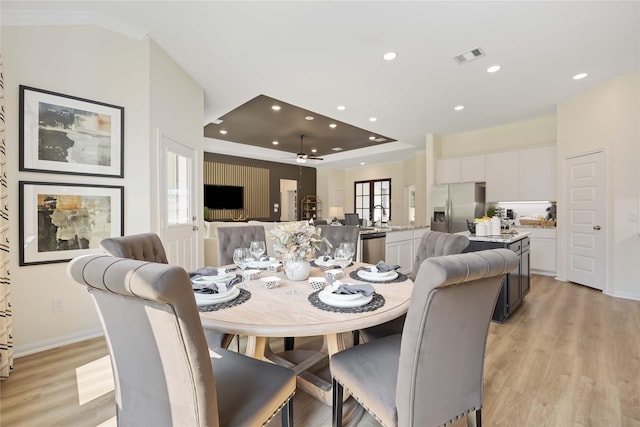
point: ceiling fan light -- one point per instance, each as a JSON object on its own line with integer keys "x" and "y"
{"x": 301, "y": 160}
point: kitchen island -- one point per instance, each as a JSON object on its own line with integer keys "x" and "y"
{"x": 517, "y": 283}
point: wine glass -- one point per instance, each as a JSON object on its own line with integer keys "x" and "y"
{"x": 257, "y": 248}
{"x": 349, "y": 247}
{"x": 342, "y": 257}
{"x": 241, "y": 257}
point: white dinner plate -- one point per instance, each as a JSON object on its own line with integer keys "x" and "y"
{"x": 208, "y": 299}
{"x": 213, "y": 279}
{"x": 377, "y": 277}
{"x": 334, "y": 300}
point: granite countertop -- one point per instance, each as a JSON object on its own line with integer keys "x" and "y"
{"x": 503, "y": 238}
{"x": 391, "y": 228}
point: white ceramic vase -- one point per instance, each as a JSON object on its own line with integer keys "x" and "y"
{"x": 297, "y": 269}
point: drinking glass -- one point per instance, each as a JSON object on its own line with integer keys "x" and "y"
{"x": 349, "y": 247}
{"x": 343, "y": 257}
{"x": 241, "y": 257}
{"x": 257, "y": 249}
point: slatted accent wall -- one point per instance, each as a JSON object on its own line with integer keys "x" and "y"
{"x": 256, "y": 189}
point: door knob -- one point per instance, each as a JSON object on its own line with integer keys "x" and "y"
{"x": 596, "y": 227}
{"x": 195, "y": 228}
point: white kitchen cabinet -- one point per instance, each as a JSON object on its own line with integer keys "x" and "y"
{"x": 448, "y": 170}
{"x": 543, "y": 250}
{"x": 472, "y": 169}
{"x": 399, "y": 249}
{"x": 537, "y": 174}
{"x": 501, "y": 176}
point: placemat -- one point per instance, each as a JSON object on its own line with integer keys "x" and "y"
{"x": 401, "y": 278}
{"x": 244, "y": 296}
{"x": 376, "y": 302}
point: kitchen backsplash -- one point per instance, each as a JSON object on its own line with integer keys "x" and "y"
{"x": 527, "y": 209}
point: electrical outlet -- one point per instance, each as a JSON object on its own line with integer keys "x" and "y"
{"x": 58, "y": 304}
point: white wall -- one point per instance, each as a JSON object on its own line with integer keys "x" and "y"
{"x": 500, "y": 138}
{"x": 97, "y": 64}
{"x": 176, "y": 104}
{"x": 607, "y": 118}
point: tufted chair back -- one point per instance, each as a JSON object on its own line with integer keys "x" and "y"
{"x": 231, "y": 238}
{"x": 432, "y": 373}
{"x": 164, "y": 374}
{"x": 436, "y": 243}
{"x": 338, "y": 234}
{"x": 143, "y": 247}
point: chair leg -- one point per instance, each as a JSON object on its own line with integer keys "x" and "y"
{"x": 474, "y": 419}
{"x": 288, "y": 343}
{"x": 356, "y": 338}
{"x": 337, "y": 403}
{"x": 287, "y": 414}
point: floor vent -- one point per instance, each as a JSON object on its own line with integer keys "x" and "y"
{"x": 465, "y": 57}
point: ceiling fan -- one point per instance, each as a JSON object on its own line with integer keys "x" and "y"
{"x": 303, "y": 157}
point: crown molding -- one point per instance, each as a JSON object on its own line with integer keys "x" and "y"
{"x": 63, "y": 18}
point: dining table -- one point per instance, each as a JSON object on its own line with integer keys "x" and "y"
{"x": 290, "y": 310}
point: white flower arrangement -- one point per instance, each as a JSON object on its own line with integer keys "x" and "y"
{"x": 295, "y": 239}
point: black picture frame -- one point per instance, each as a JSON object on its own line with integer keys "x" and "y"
{"x": 60, "y": 221}
{"x": 66, "y": 134}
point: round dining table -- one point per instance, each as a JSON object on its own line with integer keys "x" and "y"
{"x": 286, "y": 311}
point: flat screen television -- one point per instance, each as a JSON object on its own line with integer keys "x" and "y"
{"x": 223, "y": 197}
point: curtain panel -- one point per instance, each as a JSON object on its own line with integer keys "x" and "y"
{"x": 6, "y": 341}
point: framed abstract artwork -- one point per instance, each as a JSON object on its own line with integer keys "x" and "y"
{"x": 70, "y": 135}
{"x": 61, "y": 221}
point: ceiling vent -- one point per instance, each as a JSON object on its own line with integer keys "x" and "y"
{"x": 465, "y": 57}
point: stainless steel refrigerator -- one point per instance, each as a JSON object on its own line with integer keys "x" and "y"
{"x": 453, "y": 204}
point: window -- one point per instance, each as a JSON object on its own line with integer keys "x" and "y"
{"x": 372, "y": 199}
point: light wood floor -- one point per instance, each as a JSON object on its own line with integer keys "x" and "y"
{"x": 570, "y": 356}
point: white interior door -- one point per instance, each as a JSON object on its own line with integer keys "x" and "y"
{"x": 585, "y": 207}
{"x": 178, "y": 201}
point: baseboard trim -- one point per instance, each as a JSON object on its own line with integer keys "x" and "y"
{"x": 48, "y": 344}
{"x": 624, "y": 295}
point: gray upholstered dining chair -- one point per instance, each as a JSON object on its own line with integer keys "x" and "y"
{"x": 432, "y": 244}
{"x": 432, "y": 373}
{"x": 163, "y": 370}
{"x": 231, "y": 238}
{"x": 336, "y": 234}
{"x": 149, "y": 247}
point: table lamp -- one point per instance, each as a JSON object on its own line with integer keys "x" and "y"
{"x": 335, "y": 212}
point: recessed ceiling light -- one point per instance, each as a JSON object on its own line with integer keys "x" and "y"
{"x": 493, "y": 69}
{"x": 308, "y": 117}
{"x": 341, "y": 107}
{"x": 337, "y": 149}
{"x": 333, "y": 125}
{"x": 371, "y": 138}
{"x": 361, "y": 163}
{"x": 458, "y": 107}
{"x": 580, "y": 76}
{"x": 275, "y": 107}
{"x": 275, "y": 142}
{"x": 313, "y": 150}
{"x": 222, "y": 131}
{"x": 373, "y": 119}
{"x": 390, "y": 56}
